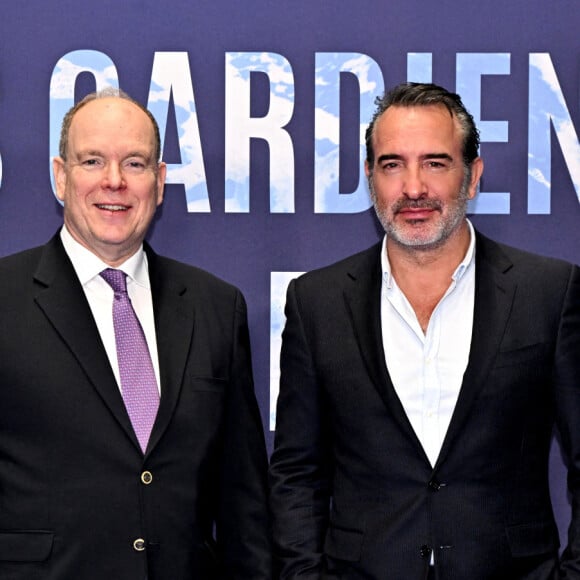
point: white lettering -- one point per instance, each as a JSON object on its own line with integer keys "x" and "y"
{"x": 469, "y": 70}
{"x": 547, "y": 106}
{"x": 171, "y": 77}
{"x": 241, "y": 127}
{"x": 327, "y": 195}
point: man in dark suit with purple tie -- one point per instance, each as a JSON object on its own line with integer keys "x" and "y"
{"x": 116, "y": 460}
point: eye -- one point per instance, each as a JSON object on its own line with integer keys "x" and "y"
{"x": 135, "y": 165}
{"x": 390, "y": 166}
{"x": 436, "y": 164}
{"x": 92, "y": 162}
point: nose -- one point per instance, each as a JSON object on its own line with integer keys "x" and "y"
{"x": 113, "y": 176}
{"x": 414, "y": 186}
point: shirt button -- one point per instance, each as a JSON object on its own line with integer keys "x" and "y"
{"x": 146, "y": 477}
{"x": 139, "y": 544}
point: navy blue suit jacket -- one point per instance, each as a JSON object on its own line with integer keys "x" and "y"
{"x": 353, "y": 493}
{"x": 72, "y": 499}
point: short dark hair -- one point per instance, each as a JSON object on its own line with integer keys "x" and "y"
{"x": 107, "y": 93}
{"x": 422, "y": 95}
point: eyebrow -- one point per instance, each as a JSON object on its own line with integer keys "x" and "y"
{"x": 427, "y": 156}
{"x": 98, "y": 153}
{"x": 93, "y": 152}
{"x": 437, "y": 156}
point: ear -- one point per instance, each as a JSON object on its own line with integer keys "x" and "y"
{"x": 476, "y": 172}
{"x": 59, "y": 171}
{"x": 161, "y": 175}
{"x": 367, "y": 169}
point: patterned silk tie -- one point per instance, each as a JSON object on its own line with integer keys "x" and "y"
{"x": 138, "y": 382}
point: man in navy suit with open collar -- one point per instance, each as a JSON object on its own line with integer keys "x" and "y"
{"x": 421, "y": 380}
{"x": 81, "y": 497}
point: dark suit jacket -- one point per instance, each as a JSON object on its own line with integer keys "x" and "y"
{"x": 353, "y": 493}
{"x": 72, "y": 499}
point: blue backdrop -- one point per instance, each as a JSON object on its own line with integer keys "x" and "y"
{"x": 262, "y": 106}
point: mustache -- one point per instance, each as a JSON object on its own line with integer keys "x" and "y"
{"x": 430, "y": 204}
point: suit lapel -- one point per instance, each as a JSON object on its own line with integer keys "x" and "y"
{"x": 494, "y": 294}
{"x": 363, "y": 298}
{"x": 173, "y": 305}
{"x": 62, "y": 299}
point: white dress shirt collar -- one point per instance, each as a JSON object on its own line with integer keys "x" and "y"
{"x": 87, "y": 265}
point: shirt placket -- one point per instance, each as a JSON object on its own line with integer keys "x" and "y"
{"x": 431, "y": 389}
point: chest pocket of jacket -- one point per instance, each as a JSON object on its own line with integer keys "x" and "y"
{"x": 523, "y": 355}
{"x": 208, "y": 384}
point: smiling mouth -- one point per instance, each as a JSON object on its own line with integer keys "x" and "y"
{"x": 112, "y": 207}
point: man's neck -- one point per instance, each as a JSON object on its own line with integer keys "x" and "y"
{"x": 434, "y": 261}
{"x": 424, "y": 274}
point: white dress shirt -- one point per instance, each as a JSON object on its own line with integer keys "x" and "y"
{"x": 100, "y": 296}
{"x": 427, "y": 368}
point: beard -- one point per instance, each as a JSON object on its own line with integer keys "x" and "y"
{"x": 416, "y": 233}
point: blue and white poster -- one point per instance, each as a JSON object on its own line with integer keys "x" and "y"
{"x": 262, "y": 107}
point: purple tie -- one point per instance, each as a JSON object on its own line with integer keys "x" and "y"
{"x": 138, "y": 382}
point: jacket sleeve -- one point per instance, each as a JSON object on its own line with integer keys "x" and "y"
{"x": 300, "y": 469}
{"x": 242, "y": 527}
{"x": 567, "y": 395}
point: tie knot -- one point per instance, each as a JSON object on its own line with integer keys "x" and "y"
{"x": 116, "y": 279}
